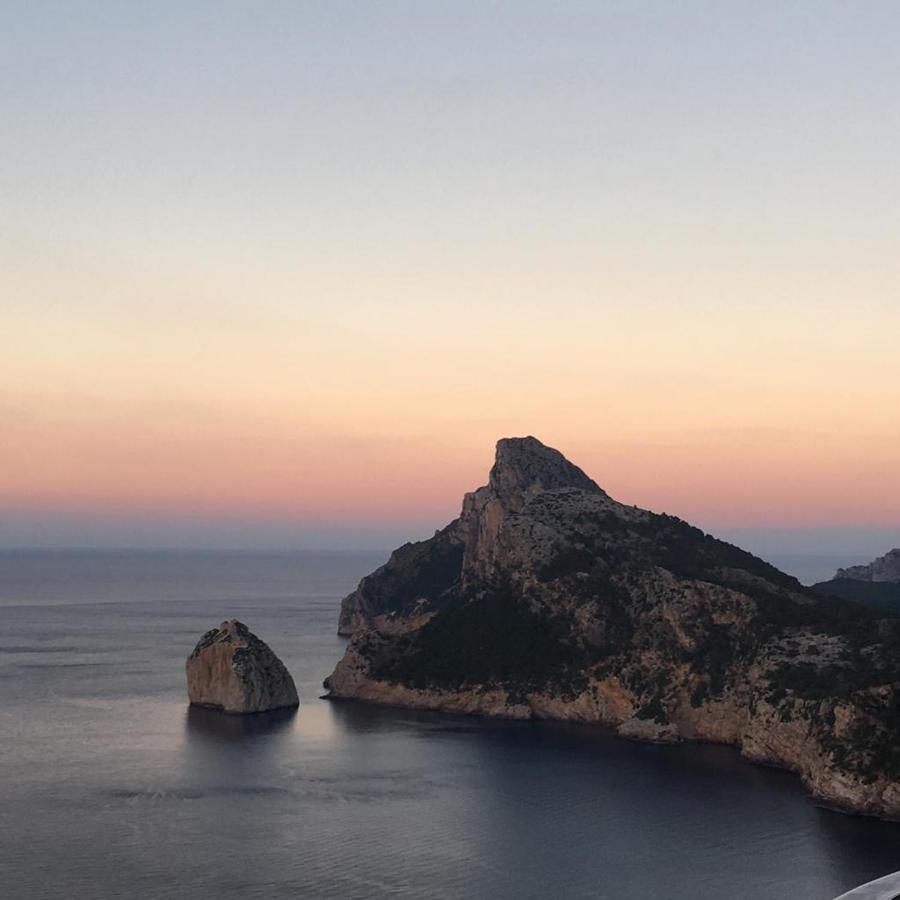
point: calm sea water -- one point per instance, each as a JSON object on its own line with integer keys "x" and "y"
{"x": 113, "y": 788}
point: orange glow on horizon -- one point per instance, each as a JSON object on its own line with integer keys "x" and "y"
{"x": 374, "y": 393}
{"x": 269, "y": 266}
{"x": 257, "y": 467}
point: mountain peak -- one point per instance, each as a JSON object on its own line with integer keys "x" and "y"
{"x": 885, "y": 568}
{"x": 524, "y": 462}
{"x": 547, "y": 599}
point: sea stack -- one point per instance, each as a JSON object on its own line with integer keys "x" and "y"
{"x": 231, "y": 669}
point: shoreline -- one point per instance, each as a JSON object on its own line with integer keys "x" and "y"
{"x": 611, "y": 730}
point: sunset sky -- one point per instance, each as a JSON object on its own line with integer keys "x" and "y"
{"x": 280, "y": 274}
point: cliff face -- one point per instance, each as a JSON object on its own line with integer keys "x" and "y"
{"x": 494, "y": 531}
{"x": 231, "y": 669}
{"x": 885, "y": 568}
{"x": 876, "y": 585}
{"x": 547, "y": 598}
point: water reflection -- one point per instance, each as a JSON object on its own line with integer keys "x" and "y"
{"x": 356, "y": 717}
{"x": 525, "y": 791}
{"x": 845, "y": 839}
{"x": 112, "y": 787}
{"x": 212, "y": 724}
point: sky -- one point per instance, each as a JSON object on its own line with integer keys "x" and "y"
{"x": 280, "y": 274}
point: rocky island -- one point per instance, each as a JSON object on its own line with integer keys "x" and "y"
{"x": 232, "y": 670}
{"x": 547, "y": 598}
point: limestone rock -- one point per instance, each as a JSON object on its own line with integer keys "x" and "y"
{"x": 422, "y": 578}
{"x": 884, "y": 569}
{"x": 233, "y": 670}
{"x": 547, "y": 598}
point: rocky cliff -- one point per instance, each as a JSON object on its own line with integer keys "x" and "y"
{"x": 547, "y": 598}
{"x": 885, "y": 568}
{"x": 233, "y": 670}
{"x": 876, "y": 585}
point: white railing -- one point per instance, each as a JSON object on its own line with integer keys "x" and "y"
{"x": 887, "y": 888}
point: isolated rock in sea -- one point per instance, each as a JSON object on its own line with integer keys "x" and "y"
{"x": 884, "y": 569}
{"x": 549, "y": 599}
{"x": 233, "y": 670}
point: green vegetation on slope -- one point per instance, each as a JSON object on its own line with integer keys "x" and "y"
{"x": 494, "y": 639}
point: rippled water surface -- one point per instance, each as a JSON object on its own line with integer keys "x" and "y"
{"x": 113, "y": 788}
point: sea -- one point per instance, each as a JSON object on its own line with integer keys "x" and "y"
{"x": 111, "y": 786}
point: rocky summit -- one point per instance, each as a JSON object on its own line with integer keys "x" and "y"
{"x": 231, "y": 669}
{"x": 876, "y": 585}
{"x": 547, "y": 598}
{"x": 884, "y": 569}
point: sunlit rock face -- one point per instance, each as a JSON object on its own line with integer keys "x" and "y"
{"x": 231, "y": 669}
{"x": 547, "y": 598}
{"x": 497, "y": 529}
